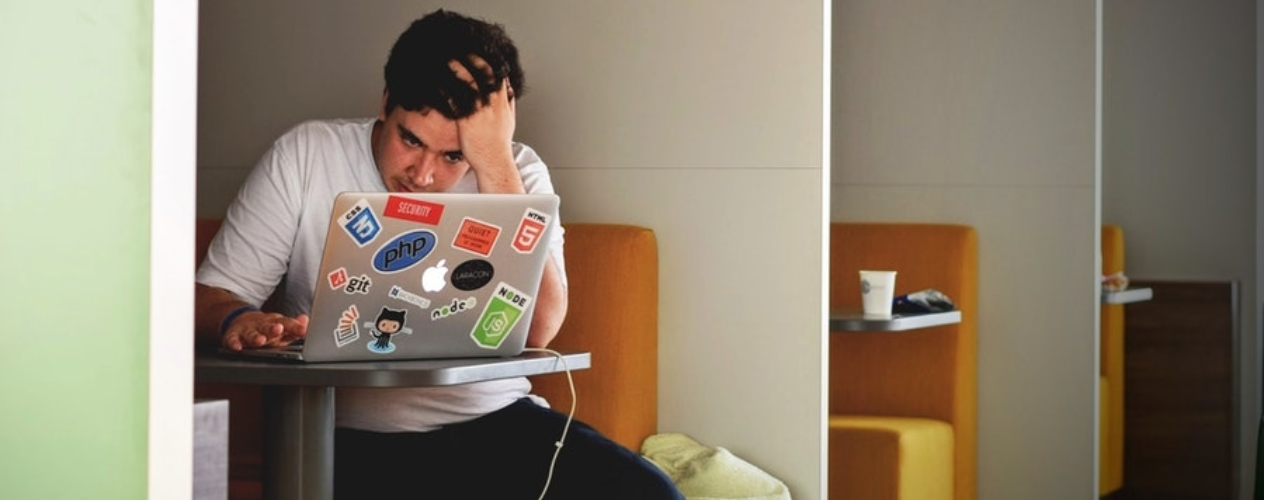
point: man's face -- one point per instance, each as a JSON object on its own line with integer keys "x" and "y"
{"x": 418, "y": 151}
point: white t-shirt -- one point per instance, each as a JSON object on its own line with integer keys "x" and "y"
{"x": 273, "y": 236}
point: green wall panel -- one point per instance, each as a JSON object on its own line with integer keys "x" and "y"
{"x": 74, "y": 248}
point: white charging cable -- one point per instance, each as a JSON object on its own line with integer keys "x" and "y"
{"x": 569, "y": 417}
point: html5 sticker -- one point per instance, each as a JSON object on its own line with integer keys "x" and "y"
{"x": 530, "y": 230}
{"x": 476, "y": 236}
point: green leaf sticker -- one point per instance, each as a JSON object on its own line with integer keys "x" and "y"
{"x": 499, "y": 316}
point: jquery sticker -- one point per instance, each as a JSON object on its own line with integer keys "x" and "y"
{"x": 472, "y": 274}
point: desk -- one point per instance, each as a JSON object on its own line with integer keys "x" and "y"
{"x": 854, "y": 321}
{"x": 299, "y": 452}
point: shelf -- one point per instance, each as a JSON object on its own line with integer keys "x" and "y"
{"x": 854, "y": 321}
{"x": 1127, "y": 296}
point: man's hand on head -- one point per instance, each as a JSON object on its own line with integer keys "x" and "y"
{"x": 262, "y": 329}
{"x": 487, "y": 135}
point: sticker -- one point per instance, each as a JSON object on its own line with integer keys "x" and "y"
{"x": 389, "y": 323}
{"x": 408, "y": 209}
{"x": 457, "y": 306}
{"x": 403, "y": 252}
{"x": 409, "y": 297}
{"x": 530, "y": 230}
{"x": 472, "y": 274}
{"x": 338, "y": 278}
{"x": 499, "y": 316}
{"x": 347, "y": 331}
{"x": 359, "y": 284}
{"x": 360, "y": 223}
{"x": 476, "y": 236}
{"x": 432, "y": 279}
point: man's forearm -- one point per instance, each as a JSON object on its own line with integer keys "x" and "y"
{"x": 211, "y": 305}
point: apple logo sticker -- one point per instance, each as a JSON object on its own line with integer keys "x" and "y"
{"x": 472, "y": 274}
{"x": 432, "y": 280}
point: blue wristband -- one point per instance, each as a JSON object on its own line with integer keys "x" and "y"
{"x": 228, "y": 320}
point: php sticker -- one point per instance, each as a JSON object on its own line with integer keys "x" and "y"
{"x": 532, "y": 227}
{"x": 476, "y": 236}
{"x": 360, "y": 223}
{"x": 500, "y": 315}
{"x": 412, "y": 210}
{"x": 472, "y": 274}
{"x": 403, "y": 252}
{"x": 347, "y": 331}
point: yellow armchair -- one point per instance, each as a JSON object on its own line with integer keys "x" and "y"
{"x": 903, "y": 405}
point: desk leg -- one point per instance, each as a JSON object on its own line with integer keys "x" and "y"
{"x": 299, "y": 443}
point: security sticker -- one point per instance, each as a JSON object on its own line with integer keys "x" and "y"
{"x": 360, "y": 223}
{"x": 530, "y": 230}
{"x": 409, "y": 297}
{"x": 476, "y": 236}
{"x": 472, "y": 274}
{"x": 424, "y": 212}
{"x": 389, "y": 323}
{"x": 347, "y": 331}
{"x": 502, "y": 312}
{"x": 338, "y": 278}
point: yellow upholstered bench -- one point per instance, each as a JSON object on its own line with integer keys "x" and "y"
{"x": 903, "y": 405}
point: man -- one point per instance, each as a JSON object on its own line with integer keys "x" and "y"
{"x": 446, "y": 124}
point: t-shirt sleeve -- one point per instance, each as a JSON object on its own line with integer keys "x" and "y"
{"x": 535, "y": 177}
{"x": 250, "y": 254}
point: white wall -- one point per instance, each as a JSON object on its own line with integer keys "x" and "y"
{"x": 983, "y": 113}
{"x": 1179, "y": 158}
{"x": 702, "y": 120}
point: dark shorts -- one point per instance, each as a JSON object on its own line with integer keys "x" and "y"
{"x": 504, "y": 455}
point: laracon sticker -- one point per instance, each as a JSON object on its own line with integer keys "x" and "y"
{"x": 476, "y": 236}
{"x": 403, "y": 252}
{"x": 360, "y": 223}
{"x": 347, "y": 331}
{"x": 338, "y": 278}
{"x": 409, "y": 297}
{"x": 472, "y": 274}
{"x": 502, "y": 312}
{"x": 412, "y": 210}
{"x": 530, "y": 230}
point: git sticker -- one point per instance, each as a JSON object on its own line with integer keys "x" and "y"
{"x": 501, "y": 313}
{"x": 529, "y": 230}
{"x": 347, "y": 331}
{"x": 476, "y": 236}
{"x": 360, "y": 223}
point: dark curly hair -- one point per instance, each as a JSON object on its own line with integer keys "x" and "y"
{"x": 417, "y": 72}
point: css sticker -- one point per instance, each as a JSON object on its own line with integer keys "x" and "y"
{"x": 360, "y": 223}
{"x": 499, "y": 316}
{"x": 472, "y": 274}
{"x": 403, "y": 252}
{"x": 529, "y": 230}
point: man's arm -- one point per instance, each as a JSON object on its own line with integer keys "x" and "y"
{"x": 252, "y": 328}
{"x": 551, "y": 302}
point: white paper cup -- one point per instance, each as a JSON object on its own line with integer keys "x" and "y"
{"x": 877, "y": 291}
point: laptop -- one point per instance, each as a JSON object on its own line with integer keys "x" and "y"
{"x": 422, "y": 276}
